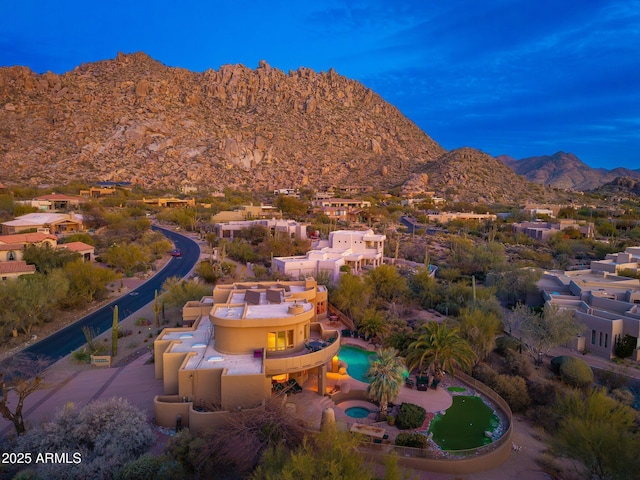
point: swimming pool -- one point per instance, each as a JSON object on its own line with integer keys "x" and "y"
{"x": 357, "y": 361}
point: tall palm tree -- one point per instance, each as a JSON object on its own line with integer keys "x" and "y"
{"x": 439, "y": 348}
{"x": 385, "y": 375}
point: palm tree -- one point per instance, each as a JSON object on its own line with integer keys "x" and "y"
{"x": 385, "y": 374}
{"x": 440, "y": 348}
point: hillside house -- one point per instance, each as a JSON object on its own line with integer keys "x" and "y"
{"x": 353, "y": 248}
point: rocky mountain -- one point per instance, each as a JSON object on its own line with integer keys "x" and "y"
{"x": 621, "y": 187}
{"x": 469, "y": 175}
{"x": 133, "y": 119}
{"x": 565, "y": 170}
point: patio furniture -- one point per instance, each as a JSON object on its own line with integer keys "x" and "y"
{"x": 422, "y": 383}
{"x": 294, "y": 386}
{"x": 409, "y": 382}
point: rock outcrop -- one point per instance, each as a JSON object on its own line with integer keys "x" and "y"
{"x": 133, "y": 119}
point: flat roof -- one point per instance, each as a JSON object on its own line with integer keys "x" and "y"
{"x": 206, "y": 355}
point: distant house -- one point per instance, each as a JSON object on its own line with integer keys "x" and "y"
{"x": 170, "y": 202}
{"x": 15, "y": 269}
{"x": 98, "y": 192}
{"x": 544, "y": 230}
{"x": 247, "y": 212}
{"x": 606, "y": 303}
{"x": 87, "y": 251}
{"x": 353, "y": 248}
{"x": 12, "y": 246}
{"x": 44, "y": 222}
{"x": 290, "y": 228}
{"x": 61, "y": 202}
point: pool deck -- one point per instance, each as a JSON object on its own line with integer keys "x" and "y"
{"x": 309, "y": 405}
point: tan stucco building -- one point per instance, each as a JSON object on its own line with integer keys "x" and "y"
{"x": 241, "y": 344}
{"x": 608, "y": 305}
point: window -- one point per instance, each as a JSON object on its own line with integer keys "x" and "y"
{"x": 11, "y": 255}
{"x": 593, "y": 337}
{"x": 600, "y": 343}
{"x": 280, "y": 340}
{"x": 606, "y": 340}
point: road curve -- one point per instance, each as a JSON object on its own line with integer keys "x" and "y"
{"x": 70, "y": 338}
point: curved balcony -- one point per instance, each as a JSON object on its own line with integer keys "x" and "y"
{"x": 302, "y": 361}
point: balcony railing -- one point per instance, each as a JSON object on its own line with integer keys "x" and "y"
{"x": 304, "y": 361}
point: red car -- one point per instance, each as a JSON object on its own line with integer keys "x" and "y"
{"x": 176, "y": 253}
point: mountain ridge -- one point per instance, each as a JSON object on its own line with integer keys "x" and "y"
{"x": 565, "y": 170}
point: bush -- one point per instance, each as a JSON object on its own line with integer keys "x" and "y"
{"x": 143, "y": 468}
{"x": 557, "y": 362}
{"x": 410, "y": 416}
{"x": 107, "y": 433}
{"x": 576, "y": 372}
{"x": 484, "y": 373}
{"x": 517, "y": 364}
{"x": 414, "y": 440}
{"x": 513, "y": 390}
{"x": 624, "y": 396}
{"x": 82, "y": 355}
{"x": 625, "y": 346}
{"x": 506, "y": 343}
{"x": 124, "y": 332}
{"x": 142, "y": 322}
{"x": 544, "y": 392}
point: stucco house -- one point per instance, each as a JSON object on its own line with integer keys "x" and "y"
{"x": 12, "y": 246}
{"x": 606, "y": 303}
{"x": 243, "y": 344}
{"x": 44, "y": 222}
{"x": 358, "y": 249}
{"x": 276, "y": 226}
{"x": 15, "y": 269}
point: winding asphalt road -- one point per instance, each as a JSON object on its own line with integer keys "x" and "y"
{"x": 70, "y": 338}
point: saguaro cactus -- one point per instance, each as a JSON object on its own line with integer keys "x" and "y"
{"x": 156, "y": 310}
{"x": 114, "y": 332}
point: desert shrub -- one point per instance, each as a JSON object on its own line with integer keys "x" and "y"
{"x": 484, "y": 373}
{"x": 208, "y": 272}
{"x": 576, "y": 372}
{"x": 612, "y": 379}
{"x": 82, "y": 355}
{"x": 513, "y": 390}
{"x": 543, "y": 392}
{"x": 517, "y": 364}
{"x": 124, "y": 332}
{"x": 183, "y": 448}
{"x": 625, "y": 346}
{"x": 414, "y": 440}
{"x": 142, "y": 322}
{"x": 624, "y": 396}
{"x": 410, "y": 416}
{"x": 144, "y": 468}
{"x": 507, "y": 342}
{"x": 106, "y": 433}
{"x": 556, "y": 363}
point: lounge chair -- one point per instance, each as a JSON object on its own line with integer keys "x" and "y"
{"x": 409, "y": 382}
{"x": 294, "y": 386}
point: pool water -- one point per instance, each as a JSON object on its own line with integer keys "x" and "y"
{"x": 464, "y": 424}
{"x": 358, "y": 361}
{"x": 357, "y": 412}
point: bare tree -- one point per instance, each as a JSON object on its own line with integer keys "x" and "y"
{"x": 20, "y": 376}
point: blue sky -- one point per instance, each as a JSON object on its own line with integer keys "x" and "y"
{"x": 522, "y": 78}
